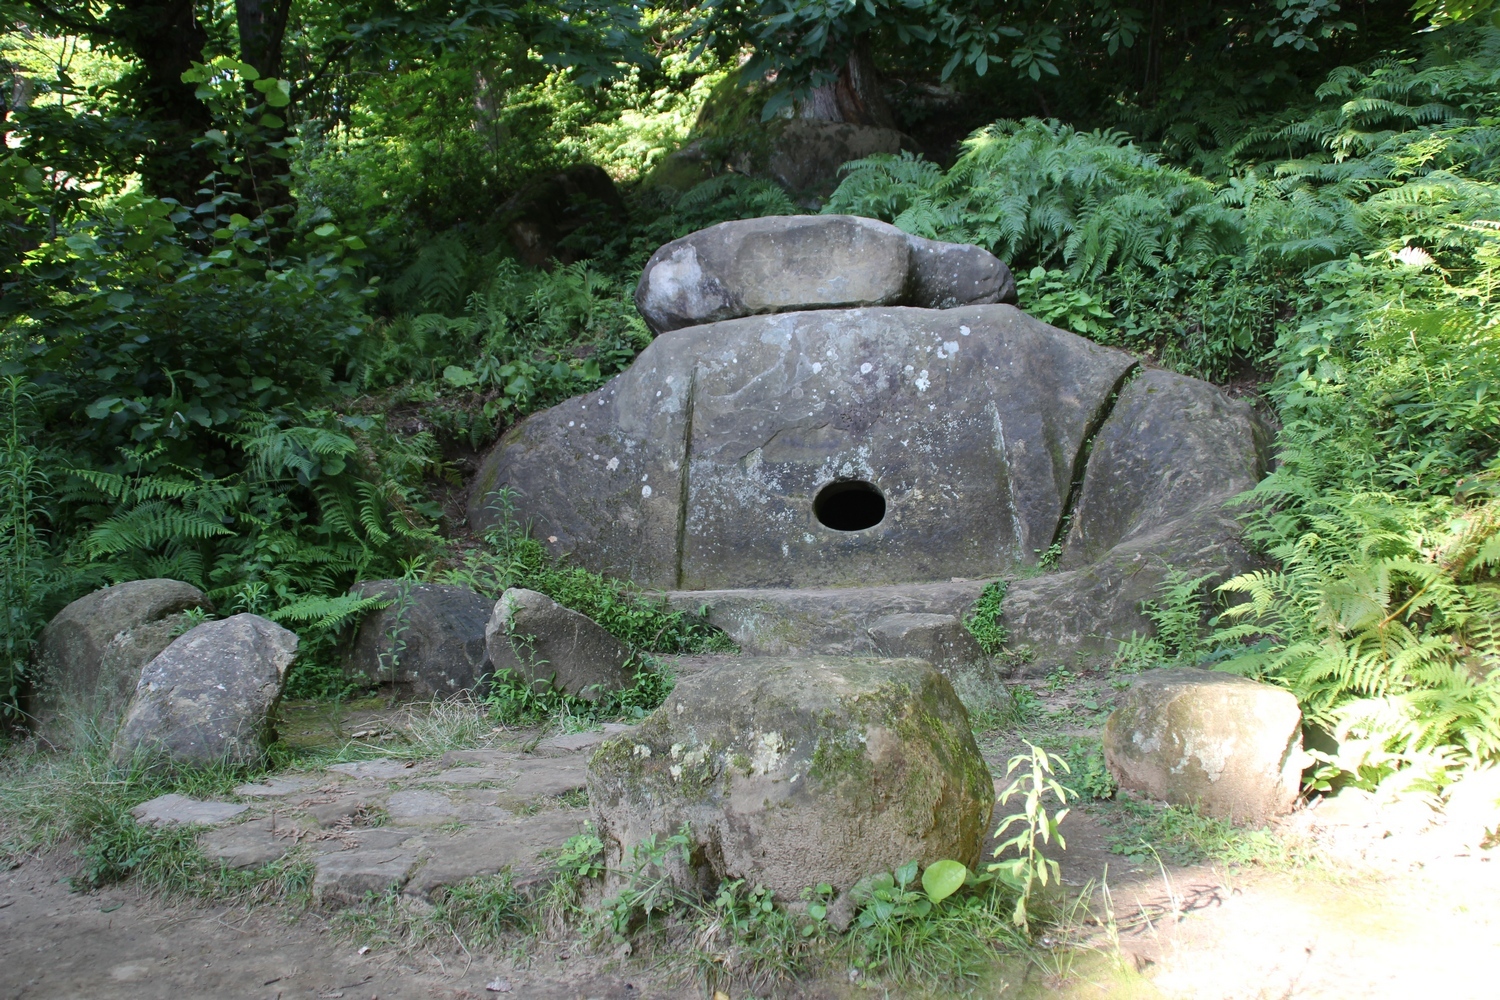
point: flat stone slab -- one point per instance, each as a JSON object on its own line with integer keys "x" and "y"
{"x": 578, "y": 742}
{"x": 275, "y": 787}
{"x": 349, "y": 876}
{"x": 547, "y": 778}
{"x": 173, "y": 809}
{"x": 415, "y": 807}
{"x": 381, "y": 768}
{"x": 520, "y": 845}
{"x": 245, "y": 845}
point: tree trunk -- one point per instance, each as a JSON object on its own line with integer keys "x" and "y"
{"x": 855, "y": 97}
{"x": 167, "y": 39}
{"x": 262, "y": 25}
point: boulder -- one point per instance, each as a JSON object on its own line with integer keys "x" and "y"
{"x": 1171, "y": 446}
{"x": 209, "y": 697}
{"x": 794, "y": 772}
{"x": 550, "y": 645}
{"x": 546, "y": 212}
{"x": 787, "y": 263}
{"x": 804, "y": 155}
{"x": 427, "y": 643}
{"x": 771, "y": 265}
{"x": 736, "y": 454}
{"x": 1230, "y": 746}
{"x": 89, "y": 657}
{"x": 947, "y": 275}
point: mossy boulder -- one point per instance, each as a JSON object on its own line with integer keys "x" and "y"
{"x": 794, "y": 772}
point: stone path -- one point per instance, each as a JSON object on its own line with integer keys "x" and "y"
{"x": 374, "y": 825}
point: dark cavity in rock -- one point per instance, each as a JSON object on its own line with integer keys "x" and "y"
{"x": 849, "y": 505}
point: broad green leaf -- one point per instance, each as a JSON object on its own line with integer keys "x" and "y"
{"x": 459, "y": 377}
{"x": 943, "y": 878}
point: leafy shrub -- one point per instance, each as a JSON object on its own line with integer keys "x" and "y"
{"x": 983, "y": 620}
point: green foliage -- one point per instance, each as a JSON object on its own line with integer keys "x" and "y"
{"x": 1106, "y": 229}
{"x": 983, "y": 620}
{"x": 1089, "y": 778}
{"x": 514, "y": 702}
{"x": 939, "y": 932}
{"x": 1030, "y": 870}
{"x": 26, "y": 577}
{"x": 744, "y": 944}
{"x": 646, "y": 888}
{"x": 1147, "y": 832}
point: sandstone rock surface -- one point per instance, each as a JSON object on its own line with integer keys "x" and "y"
{"x": 1172, "y": 445}
{"x": 1232, "y": 747}
{"x": 795, "y": 772}
{"x": 550, "y": 645}
{"x": 209, "y": 696}
{"x": 699, "y": 468}
{"x": 428, "y": 642}
{"x": 89, "y": 657}
{"x": 792, "y": 262}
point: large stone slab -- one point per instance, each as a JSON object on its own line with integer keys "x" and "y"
{"x": 549, "y": 645}
{"x": 1171, "y": 445}
{"x": 1066, "y": 618}
{"x": 428, "y": 642}
{"x": 795, "y": 772}
{"x": 1227, "y": 745}
{"x": 794, "y": 262}
{"x": 208, "y": 698}
{"x": 88, "y": 659}
{"x": 698, "y": 468}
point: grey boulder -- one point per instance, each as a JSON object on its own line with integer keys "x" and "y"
{"x": 209, "y": 697}
{"x": 428, "y": 642}
{"x": 89, "y": 657}
{"x": 727, "y": 455}
{"x": 1230, "y": 746}
{"x": 787, "y": 263}
{"x": 1171, "y": 447}
{"x": 794, "y": 772}
{"x": 546, "y": 644}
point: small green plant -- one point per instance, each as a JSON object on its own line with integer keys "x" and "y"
{"x": 647, "y": 889}
{"x": 1089, "y": 778}
{"x": 983, "y": 620}
{"x": 742, "y": 943}
{"x": 1144, "y": 832}
{"x": 1029, "y": 869}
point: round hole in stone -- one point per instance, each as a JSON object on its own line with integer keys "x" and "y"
{"x": 849, "y": 505}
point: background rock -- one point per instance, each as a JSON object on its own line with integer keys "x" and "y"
{"x": 209, "y": 697}
{"x": 429, "y": 642}
{"x": 794, "y": 772}
{"x": 948, "y": 275}
{"x": 547, "y": 211}
{"x": 89, "y": 657}
{"x": 1230, "y": 746}
{"x": 546, "y": 643}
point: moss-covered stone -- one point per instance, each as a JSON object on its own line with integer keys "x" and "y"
{"x": 794, "y": 772}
